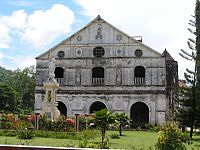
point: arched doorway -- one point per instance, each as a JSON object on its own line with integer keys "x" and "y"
{"x": 96, "y": 106}
{"x": 139, "y": 114}
{"x": 62, "y": 108}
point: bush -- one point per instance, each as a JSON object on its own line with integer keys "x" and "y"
{"x": 8, "y": 133}
{"x": 152, "y": 127}
{"x": 170, "y": 137}
{"x": 52, "y": 134}
{"x": 62, "y": 124}
{"x": 25, "y": 134}
{"x": 114, "y": 136}
{"x": 87, "y": 134}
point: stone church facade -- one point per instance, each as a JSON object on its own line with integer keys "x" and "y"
{"x": 102, "y": 67}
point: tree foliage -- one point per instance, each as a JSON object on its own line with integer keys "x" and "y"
{"x": 23, "y": 81}
{"x": 103, "y": 119}
{"x": 122, "y": 120}
{"x": 9, "y": 98}
{"x": 189, "y": 97}
{"x": 170, "y": 138}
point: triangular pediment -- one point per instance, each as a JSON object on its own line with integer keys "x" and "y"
{"x": 100, "y": 32}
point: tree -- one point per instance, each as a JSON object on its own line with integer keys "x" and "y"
{"x": 9, "y": 98}
{"x": 23, "y": 81}
{"x": 103, "y": 119}
{"x": 189, "y": 97}
{"x": 122, "y": 120}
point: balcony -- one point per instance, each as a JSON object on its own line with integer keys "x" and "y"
{"x": 139, "y": 81}
{"x": 60, "y": 81}
{"x": 98, "y": 81}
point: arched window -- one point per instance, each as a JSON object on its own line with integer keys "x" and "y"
{"x": 59, "y": 74}
{"x": 98, "y": 76}
{"x": 98, "y": 52}
{"x": 139, "y": 75}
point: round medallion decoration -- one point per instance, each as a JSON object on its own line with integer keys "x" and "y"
{"x": 138, "y": 53}
{"x": 78, "y": 52}
{"x": 119, "y": 37}
{"x": 119, "y": 52}
{"x": 61, "y": 54}
{"x": 79, "y": 38}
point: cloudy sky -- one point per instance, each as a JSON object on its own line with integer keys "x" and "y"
{"x": 30, "y": 27}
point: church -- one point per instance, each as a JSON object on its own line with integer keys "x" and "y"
{"x": 100, "y": 66}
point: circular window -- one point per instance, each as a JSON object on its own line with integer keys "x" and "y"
{"x": 61, "y": 54}
{"x": 78, "y": 52}
{"x": 98, "y": 52}
{"x": 138, "y": 53}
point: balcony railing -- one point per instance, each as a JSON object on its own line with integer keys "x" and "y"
{"x": 97, "y": 81}
{"x": 139, "y": 81}
{"x": 60, "y": 81}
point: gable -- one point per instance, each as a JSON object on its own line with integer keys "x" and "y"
{"x": 99, "y": 32}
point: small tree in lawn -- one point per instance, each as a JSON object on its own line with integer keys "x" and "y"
{"x": 122, "y": 120}
{"x": 103, "y": 119}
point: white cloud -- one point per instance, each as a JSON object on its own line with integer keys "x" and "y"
{"x": 161, "y": 23}
{"x": 11, "y": 24}
{"x": 44, "y": 26}
{"x": 18, "y": 62}
{"x": 39, "y": 28}
{"x": 23, "y": 62}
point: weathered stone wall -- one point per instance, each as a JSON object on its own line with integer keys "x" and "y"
{"x": 119, "y": 91}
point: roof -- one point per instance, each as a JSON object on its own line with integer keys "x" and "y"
{"x": 167, "y": 55}
{"x": 94, "y": 20}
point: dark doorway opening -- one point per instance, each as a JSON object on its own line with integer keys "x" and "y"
{"x": 96, "y": 106}
{"x": 139, "y": 115}
{"x": 62, "y": 108}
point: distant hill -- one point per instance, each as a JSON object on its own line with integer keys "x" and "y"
{"x": 4, "y": 73}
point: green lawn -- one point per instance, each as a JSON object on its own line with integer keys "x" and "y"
{"x": 130, "y": 140}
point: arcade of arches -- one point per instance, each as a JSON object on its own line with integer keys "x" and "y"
{"x": 139, "y": 112}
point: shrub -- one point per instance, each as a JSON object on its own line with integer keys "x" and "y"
{"x": 152, "y": 127}
{"x": 114, "y": 136}
{"x": 25, "y": 134}
{"x": 62, "y": 124}
{"x": 170, "y": 137}
{"x": 87, "y": 134}
{"x": 8, "y": 122}
{"x": 8, "y": 133}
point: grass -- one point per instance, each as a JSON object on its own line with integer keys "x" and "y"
{"x": 129, "y": 140}
{"x": 134, "y": 139}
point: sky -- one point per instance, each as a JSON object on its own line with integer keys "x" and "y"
{"x": 30, "y": 27}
